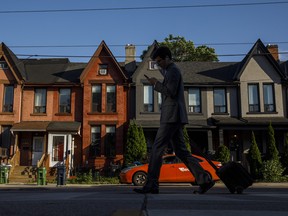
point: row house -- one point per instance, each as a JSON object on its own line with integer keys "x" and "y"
{"x": 105, "y": 91}
{"x": 225, "y": 101}
{"x": 55, "y": 112}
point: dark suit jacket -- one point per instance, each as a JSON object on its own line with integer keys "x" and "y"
{"x": 173, "y": 108}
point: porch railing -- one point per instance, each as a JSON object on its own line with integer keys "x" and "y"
{"x": 40, "y": 162}
{"x": 14, "y": 161}
{"x": 44, "y": 161}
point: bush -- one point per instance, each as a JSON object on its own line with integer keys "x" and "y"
{"x": 254, "y": 158}
{"x": 284, "y": 158}
{"x": 272, "y": 171}
{"x": 223, "y": 154}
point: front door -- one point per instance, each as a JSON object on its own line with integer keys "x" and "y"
{"x": 57, "y": 148}
{"x": 37, "y": 150}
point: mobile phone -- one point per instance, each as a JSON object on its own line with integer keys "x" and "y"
{"x": 146, "y": 76}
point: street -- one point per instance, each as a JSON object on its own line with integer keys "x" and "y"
{"x": 119, "y": 200}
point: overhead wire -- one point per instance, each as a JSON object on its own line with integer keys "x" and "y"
{"x": 140, "y": 45}
{"x": 121, "y": 56}
{"x": 143, "y": 7}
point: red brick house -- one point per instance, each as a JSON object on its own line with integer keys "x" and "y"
{"x": 105, "y": 90}
{"x": 41, "y": 111}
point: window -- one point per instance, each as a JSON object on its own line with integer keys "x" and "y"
{"x": 5, "y": 140}
{"x": 96, "y": 98}
{"x": 194, "y": 101}
{"x": 148, "y": 98}
{"x": 159, "y": 101}
{"x": 58, "y": 148}
{"x": 153, "y": 65}
{"x": 65, "y": 100}
{"x": 253, "y": 97}
{"x": 3, "y": 65}
{"x": 110, "y": 141}
{"x": 8, "y": 98}
{"x": 103, "y": 68}
{"x": 111, "y": 98}
{"x": 40, "y": 100}
{"x": 219, "y": 100}
{"x": 268, "y": 93}
{"x": 95, "y": 146}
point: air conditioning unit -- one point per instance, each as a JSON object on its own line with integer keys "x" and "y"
{"x": 103, "y": 71}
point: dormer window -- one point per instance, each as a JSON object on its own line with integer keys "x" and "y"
{"x": 3, "y": 65}
{"x": 103, "y": 68}
{"x": 153, "y": 65}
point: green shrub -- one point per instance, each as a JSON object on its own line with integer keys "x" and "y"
{"x": 272, "y": 171}
{"x": 223, "y": 154}
{"x": 254, "y": 158}
{"x": 284, "y": 158}
{"x": 271, "y": 149}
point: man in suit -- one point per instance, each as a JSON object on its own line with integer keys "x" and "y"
{"x": 172, "y": 120}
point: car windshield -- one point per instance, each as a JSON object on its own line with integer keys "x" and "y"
{"x": 171, "y": 160}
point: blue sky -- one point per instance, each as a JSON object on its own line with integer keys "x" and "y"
{"x": 213, "y": 25}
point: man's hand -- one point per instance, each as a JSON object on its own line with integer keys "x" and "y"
{"x": 153, "y": 80}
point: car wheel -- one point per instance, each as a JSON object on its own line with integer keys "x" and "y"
{"x": 139, "y": 178}
{"x": 209, "y": 174}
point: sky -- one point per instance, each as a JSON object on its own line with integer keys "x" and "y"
{"x": 228, "y": 26}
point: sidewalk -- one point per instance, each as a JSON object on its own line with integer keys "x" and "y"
{"x": 53, "y": 185}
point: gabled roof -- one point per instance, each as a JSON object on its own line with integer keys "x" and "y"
{"x": 146, "y": 58}
{"x": 16, "y": 66}
{"x": 52, "y": 71}
{"x": 284, "y": 68}
{"x": 258, "y": 50}
{"x": 102, "y": 46}
{"x": 208, "y": 73}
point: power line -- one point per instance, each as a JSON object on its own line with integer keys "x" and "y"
{"x": 120, "y": 56}
{"x": 146, "y": 45}
{"x": 141, "y": 8}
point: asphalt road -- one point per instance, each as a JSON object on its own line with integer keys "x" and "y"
{"x": 120, "y": 200}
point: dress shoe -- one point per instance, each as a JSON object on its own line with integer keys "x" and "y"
{"x": 146, "y": 190}
{"x": 204, "y": 188}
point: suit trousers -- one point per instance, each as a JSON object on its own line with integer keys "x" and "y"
{"x": 166, "y": 133}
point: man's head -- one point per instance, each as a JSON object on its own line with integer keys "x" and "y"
{"x": 162, "y": 56}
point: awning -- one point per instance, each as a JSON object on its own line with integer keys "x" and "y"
{"x": 49, "y": 126}
{"x": 73, "y": 127}
{"x": 30, "y": 126}
{"x": 249, "y": 123}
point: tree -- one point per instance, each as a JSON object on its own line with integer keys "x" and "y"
{"x": 142, "y": 144}
{"x": 284, "y": 158}
{"x": 135, "y": 145}
{"x": 183, "y": 50}
{"x": 223, "y": 154}
{"x": 254, "y": 158}
{"x": 271, "y": 149}
{"x": 186, "y": 139}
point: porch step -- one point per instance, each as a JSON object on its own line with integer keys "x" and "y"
{"x": 23, "y": 174}
{"x": 28, "y": 174}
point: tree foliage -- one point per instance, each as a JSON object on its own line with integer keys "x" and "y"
{"x": 271, "y": 150}
{"x": 186, "y": 139}
{"x": 254, "y": 158}
{"x": 136, "y": 144}
{"x": 272, "y": 171}
{"x": 183, "y": 50}
{"x": 284, "y": 158}
{"x": 223, "y": 154}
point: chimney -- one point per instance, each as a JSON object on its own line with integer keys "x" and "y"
{"x": 273, "y": 49}
{"x": 130, "y": 52}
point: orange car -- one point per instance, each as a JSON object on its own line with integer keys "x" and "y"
{"x": 172, "y": 170}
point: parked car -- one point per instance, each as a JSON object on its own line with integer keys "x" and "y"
{"x": 172, "y": 170}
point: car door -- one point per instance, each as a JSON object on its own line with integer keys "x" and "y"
{"x": 173, "y": 170}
